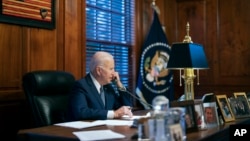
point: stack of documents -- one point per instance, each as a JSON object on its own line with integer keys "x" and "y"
{"x": 92, "y": 135}
{"x": 84, "y": 124}
{"x": 102, "y": 134}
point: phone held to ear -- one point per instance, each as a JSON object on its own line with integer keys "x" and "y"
{"x": 114, "y": 80}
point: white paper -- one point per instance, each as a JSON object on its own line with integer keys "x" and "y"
{"x": 114, "y": 122}
{"x": 97, "y": 135}
{"x": 83, "y": 124}
{"x": 126, "y": 117}
{"x": 80, "y": 124}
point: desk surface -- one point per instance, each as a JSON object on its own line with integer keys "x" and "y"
{"x": 58, "y": 133}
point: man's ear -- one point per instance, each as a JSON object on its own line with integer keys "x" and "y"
{"x": 98, "y": 70}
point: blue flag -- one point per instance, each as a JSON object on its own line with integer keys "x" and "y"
{"x": 154, "y": 78}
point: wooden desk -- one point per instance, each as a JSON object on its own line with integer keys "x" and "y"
{"x": 58, "y": 133}
{"x": 218, "y": 133}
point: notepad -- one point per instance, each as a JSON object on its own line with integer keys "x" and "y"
{"x": 97, "y": 135}
{"x": 80, "y": 124}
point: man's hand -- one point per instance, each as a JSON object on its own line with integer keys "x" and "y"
{"x": 124, "y": 110}
{"x": 118, "y": 81}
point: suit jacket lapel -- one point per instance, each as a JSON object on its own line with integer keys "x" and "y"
{"x": 94, "y": 91}
{"x": 108, "y": 97}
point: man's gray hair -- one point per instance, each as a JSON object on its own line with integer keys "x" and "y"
{"x": 98, "y": 59}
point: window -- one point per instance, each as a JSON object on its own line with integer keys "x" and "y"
{"x": 110, "y": 27}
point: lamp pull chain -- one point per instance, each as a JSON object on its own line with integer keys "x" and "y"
{"x": 198, "y": 78}
{"x": 180, "y": 78}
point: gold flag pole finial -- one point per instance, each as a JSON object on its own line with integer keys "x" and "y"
{"x": 187, "y": 38}
{"x": 155, "y": 7}
{"x": 153, "y": 2}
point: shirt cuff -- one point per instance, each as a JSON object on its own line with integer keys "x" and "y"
{"x": 111, "y": 114}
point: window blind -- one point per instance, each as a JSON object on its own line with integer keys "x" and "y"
{"x": 110, "y": 27}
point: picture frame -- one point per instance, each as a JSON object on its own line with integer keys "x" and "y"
{"x": 240, "y": 94}
{"x": 240, "y": 107}
{"x": 39, "y": 14}
{"x": 225, "y": 108}
{"x": 210, "y": 114}
{"x": 176, "y": 132}
{"x": 248, "y": 97}
{"x": 243, "y": 95}
{"x": 190, "y": 116}
{"x": 199, "y": 111}
{"x": 208, "y": 97}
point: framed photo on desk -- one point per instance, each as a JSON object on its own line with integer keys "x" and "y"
{"x": 240, "y": 94}
{"x": 210, "y": 114}
{"x": 208, "y": 97}
{"x": 243, "y": 95}
{"x": 248, "y": 97}
{"x": 199, "y": 112}
{"x": 240, "y": 107}
{"x": 190, "y": 115}
{"x": 175, "y": 132}
{"x": 225, "y": 108}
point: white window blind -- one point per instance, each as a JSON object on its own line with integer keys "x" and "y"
{"x": 110, "y": 27}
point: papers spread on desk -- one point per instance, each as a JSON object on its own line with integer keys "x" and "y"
{"x": 97, "y": 135}
{"x": 113, "y": 122}
{"x": 84, "y": 124}
{"x": 126, "y": 117}
{"x": 80, "y": 124}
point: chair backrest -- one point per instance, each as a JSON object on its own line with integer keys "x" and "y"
{"x": 47, "y": 93}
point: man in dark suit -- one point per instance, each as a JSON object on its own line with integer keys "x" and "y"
{"x": 86, "y": 103}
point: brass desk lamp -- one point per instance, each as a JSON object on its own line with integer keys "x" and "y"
{"x": 187, "y": 56}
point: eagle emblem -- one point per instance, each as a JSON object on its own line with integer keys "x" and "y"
{"x": 156, "y": 68}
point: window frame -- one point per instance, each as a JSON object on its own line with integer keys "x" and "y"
{"x": 127, "y": 79}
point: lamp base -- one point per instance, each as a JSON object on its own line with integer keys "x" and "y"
{"x": 189, "y": 83}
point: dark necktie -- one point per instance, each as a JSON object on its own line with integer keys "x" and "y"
{"x": 102, "y": 95}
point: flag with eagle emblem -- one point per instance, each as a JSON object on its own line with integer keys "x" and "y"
{"x": 154, "y": 78}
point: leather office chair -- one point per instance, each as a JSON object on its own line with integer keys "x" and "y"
{"x": 47, "y": 93}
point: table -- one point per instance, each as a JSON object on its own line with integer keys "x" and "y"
{"x": 58, "y": 133}
{"x": 218, "y": 133}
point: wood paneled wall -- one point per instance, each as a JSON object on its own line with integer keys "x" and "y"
{"x": 24, "y": 49}
{"x": 221, "y": 26}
